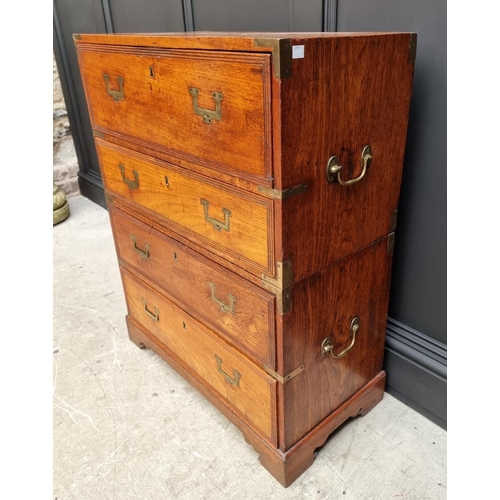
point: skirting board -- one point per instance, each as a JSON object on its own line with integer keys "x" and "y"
{"x": 416, "y": 371}
{"x": 91, "y": 189}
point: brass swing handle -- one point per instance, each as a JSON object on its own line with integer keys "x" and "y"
{"x": 208, "y": 114}
{"x": 326, "y": 346}
{"x": 333, "y": 168}
{"x": 115, "y": 94}
{"x": 234, "y": 380}
{"x": 223, "y": 307}
{"x": 155, "y": 316}
{"x": 218, "y": 225}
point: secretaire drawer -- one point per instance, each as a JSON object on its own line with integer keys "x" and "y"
{"x": 239, "y": 311}
{"x": 209, "y": 107}
{"x": 236, "y": 224}
{"x": 246, "y": 388}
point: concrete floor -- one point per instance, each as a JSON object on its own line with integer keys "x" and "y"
{"x": 127, "y": 426}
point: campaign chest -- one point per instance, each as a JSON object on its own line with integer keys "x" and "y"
{"x": 252, "y": 182}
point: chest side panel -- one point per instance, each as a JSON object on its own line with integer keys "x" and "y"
{"x": 345, "y": 94}
{"x": 324, "y": 306}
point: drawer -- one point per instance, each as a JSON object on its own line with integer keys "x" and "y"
{"x": 235, "y": 224}
{"x": 209, "y": 107}
{"x": 239, "y": 311}
{"x": 248, "y": 390}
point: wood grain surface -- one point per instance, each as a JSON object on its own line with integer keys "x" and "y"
{"x": 346, "y": 93}
{"x": 176, "y": 195}
{"x": 254, "y": 397}
{"x": 157, "y": 106}
{"x": 183, "y": 276}
{"x": 323, "y": 305}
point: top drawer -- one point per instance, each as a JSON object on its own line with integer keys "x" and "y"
{"x": 209, "y": 107}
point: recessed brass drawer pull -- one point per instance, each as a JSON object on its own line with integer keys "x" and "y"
{"x": 115, "y": 94}
{"x": 326, "y": 346}
{"x": 208, "y": 114}
{"x": 234, "y": 380}
{"x": 155, "y": 316}
{"x": 131, "y": 184}
{"x": 143, "y": 253}
{"x": 223, "y": 307}
{"x": 333, "y": 168}
{"x": 218, "y": 225}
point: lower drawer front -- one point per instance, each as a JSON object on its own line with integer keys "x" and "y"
{"x": 241, "y": 312}
{"x": 247, "y": 389}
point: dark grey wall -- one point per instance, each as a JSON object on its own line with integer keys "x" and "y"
{"x": 416, "y": 332}
{"x": 418, "y": 296}
{"x": 257, "y": 15}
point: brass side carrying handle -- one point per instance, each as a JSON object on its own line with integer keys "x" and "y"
{"x": 223, "y": 307}
{"x": 234, "y": 380}
{"x": 117, "y": 95}
{"x": 326, "y": 346}
{"x": 155, "y": 316}
{"x": 218, "y": 225}
{"x": 144, "y": 254}
{"x": 333, "y": 168}
{"x": 208, "y": 114}
{"x": 131, "y": 184}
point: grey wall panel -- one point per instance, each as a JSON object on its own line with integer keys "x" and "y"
{"x": 257, "y": 15}
{"x": 76, "y": 16}
{"x": 306, "y": 16}
{"x": 146, "y": 16}
{"x": 418, "y": 295}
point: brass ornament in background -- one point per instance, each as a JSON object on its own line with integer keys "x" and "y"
{"x": 117, "y": 95}
{"x": 234, "y": 380}
{"x": 131, "y": 184}
{"x": 327, "y": 347}
{"x": 333, "y": 169}
{"x": 60, "y": 206}
{"x": 218, "y": 225}
{"x": 208, "y": 114}
{"x": 222, "y": 306}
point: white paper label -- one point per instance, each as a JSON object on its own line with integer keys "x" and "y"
{"x": 298, "y": 52}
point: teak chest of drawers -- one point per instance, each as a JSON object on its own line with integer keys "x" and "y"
{"x": 252, "y": 182}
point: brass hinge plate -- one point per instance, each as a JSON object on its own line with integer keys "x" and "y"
{"x": 98, "y": 134}
{"x": 288, "y": 377}
{"x": 394, "y": 221}
{"x": 282, "y": 54}
{"x": 285, "y": 194}
{"x": 412, "y": 55}
{"x": 284, "y": 276}
{"x": 390, "y": 243}
{"x": 281, "y": 286}
{"x": 77, "y": 36}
